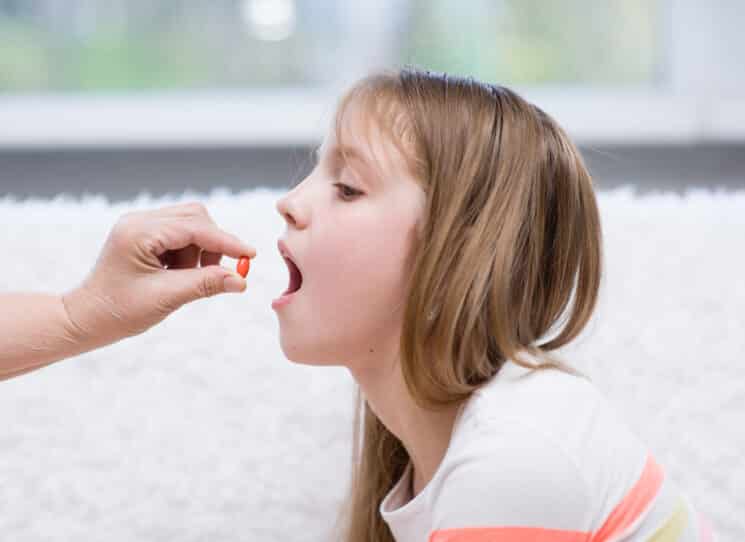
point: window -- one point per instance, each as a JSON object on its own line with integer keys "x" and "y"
{"x": 135, "y": 45}
{"x": 266, "y": 71}
{"x": 534, "y": 42}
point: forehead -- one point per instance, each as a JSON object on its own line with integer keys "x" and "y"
{"x": 364, "y": 143}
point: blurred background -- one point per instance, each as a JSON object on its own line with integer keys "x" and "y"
{"x": 130, "y": 96}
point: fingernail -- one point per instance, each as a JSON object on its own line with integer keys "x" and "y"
{"x": 234, "y": 284}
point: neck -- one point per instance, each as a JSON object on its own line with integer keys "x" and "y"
{"x": 424, "y": 433}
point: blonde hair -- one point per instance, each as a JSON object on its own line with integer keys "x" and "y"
{"x": 511, "y": 225}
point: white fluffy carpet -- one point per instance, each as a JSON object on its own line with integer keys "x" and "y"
{"x": 200, "y": 429}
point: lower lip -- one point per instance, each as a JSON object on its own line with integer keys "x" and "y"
{"x": 284, "y": 299}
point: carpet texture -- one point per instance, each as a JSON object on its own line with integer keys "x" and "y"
{"x": 200, "y": 429}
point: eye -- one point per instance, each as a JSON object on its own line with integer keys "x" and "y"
{"x": 347, "y": 192}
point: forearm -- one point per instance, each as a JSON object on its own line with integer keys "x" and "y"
{"x": 35, "y": 331}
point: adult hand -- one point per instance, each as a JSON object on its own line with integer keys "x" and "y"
{"x": 148, "y": 268}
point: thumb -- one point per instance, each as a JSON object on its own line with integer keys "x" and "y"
{"x": 187, "y": 285}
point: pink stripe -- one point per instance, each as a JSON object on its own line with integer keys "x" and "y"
{"x": 507, "y": 534}
{"x": 636, "y": 501}
{"x": 704, "y": 530}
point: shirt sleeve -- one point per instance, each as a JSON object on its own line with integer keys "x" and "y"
{"x": 511, "y": 482}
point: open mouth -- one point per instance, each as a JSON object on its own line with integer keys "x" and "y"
{"x": 296, "y": 277}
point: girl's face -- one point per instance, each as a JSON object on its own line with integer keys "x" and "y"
{"x": 349, "y": 229}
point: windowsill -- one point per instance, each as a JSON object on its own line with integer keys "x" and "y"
{"x": 288, "y": 117}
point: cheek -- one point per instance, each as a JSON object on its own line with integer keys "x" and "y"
{"x": 351, "y": 299}
{"x": 361, "y": 266}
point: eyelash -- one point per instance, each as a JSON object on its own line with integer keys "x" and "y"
{"x": 351, "y": 196}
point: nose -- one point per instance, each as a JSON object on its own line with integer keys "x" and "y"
{"x": 283, "y": 208}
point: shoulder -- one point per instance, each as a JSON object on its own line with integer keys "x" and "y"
{"x": 561, "y": 406}
{"x": 535, "y": 389}
{"x": 505, "y": 472}
{"x": 536, "y": 450}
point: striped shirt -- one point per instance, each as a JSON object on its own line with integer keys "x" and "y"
{"x": 543, "y": 457}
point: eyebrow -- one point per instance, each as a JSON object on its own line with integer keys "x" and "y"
{"x": 354, "y": 154}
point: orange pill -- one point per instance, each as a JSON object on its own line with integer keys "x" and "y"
{"x": 244, "y": 263}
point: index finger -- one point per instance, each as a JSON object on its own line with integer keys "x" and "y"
{"x": 206, "y": 235}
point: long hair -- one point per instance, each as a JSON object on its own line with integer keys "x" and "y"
{"x": 511, "y": 232}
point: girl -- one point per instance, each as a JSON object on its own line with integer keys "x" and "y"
{"x": 439, "y": 239}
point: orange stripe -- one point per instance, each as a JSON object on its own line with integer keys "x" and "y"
{"x": 507, "y": 534}
{"x": 634, "y": 503}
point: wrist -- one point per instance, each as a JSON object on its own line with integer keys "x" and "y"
{"x": 36, "y": 332}
{"x": 72, "y": 319}
{"x": 82, "y": 311}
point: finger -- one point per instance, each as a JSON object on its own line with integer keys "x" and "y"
{"x": 185, "y": 285}
{"x": 207, "y": 236}
{"x": 182, "y": 209}
{"x": 210, "y": 258}
{"x": 185, "y": 258}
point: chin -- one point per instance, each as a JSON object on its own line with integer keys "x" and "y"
{"x": 301, "y": 356}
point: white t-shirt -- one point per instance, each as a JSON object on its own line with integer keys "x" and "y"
{"x": 542, "y": 457}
